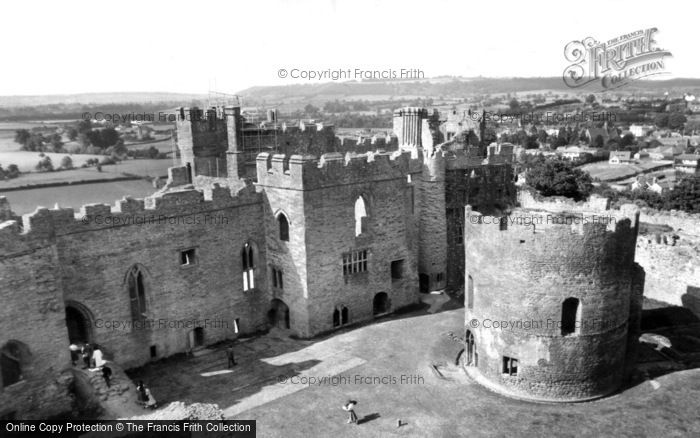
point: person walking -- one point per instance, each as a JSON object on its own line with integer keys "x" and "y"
{"x": 98, "y": 357}
{"x": 141, "y": 393}
{"x": 349, "y": 407}
{"x": 150, "y": 400}
{"x": 106, "y": 374}
{"x": 74, "y": 354}
{"x": 231, "y": 357}
{"x": 87, "y": 355}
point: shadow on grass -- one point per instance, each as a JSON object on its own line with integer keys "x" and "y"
{"x": 179, "y": 377}
{"x": 368, "y": 418}
{"x": 682, "y": 329}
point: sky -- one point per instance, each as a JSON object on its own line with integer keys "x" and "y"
{"x": 65, "y": 47}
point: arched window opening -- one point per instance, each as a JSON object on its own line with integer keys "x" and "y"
{"x": 137, "y": 293}
{"x": 336, "y": 317}
{"x": 570, "y": 316}
{"x": 283, "y": 225}
{"x": 360, "y": 216}
{"x": 248, "y": 265}
{"x": 13, "y": 355}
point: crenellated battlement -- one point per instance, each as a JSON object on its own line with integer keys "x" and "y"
{"x": 560, "y": 203}
{"x": 411, "y": 111}
{"x": 587, "y": 236}
{"x": 43, "y": 225}
{"x": 456, "y": 156}
{"x": 308, "y": 172}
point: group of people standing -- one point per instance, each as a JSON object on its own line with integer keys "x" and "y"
{"x": 92, "y": 358}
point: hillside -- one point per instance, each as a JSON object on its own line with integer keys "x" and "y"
{"x": 445, "y": 87}
{"x": 97, "y": 98}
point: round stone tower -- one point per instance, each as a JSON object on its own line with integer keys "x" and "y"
{"x": 551, "y": 299}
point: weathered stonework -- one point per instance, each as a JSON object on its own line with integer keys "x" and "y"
{"x": 568, "y": 294}
{"x": 214, "y": 255}
{"x": 33, "y": 323}
{"x": 668, "y": 248}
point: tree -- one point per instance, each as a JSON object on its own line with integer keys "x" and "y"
{"x": 590, "y": 99}
{"x": 84, "y": 126}
{"x": 45, "y": 165}
{"x": 627, "y": 140}
{"x": 119, "y": 149}
{"x": 559, "y": 177}
{"x": 514, "y": 105}
{"x": 56, "y": 142}
{"x": 34, "y": 143}
{"x": 66, "y": 162}
{"x": 12, "y": 171}
{"x": 661, "y": 120}
{"x": 311, "y": 111}
{"x": 531, "y": 142}
{"x": 685, "y": 196}
{"x": 676, "y": 121}
{"x": 22, "y": 136}
{"x": 598, "y": 141}
{"x": 72, "y": 133}
{"x": 109, "y": 137}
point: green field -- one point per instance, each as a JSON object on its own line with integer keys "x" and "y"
{"x": 143, "y": 168}
{"x": 613, "y": 172}
{"x": 26, "y": 201}
{"x": 27, "y": 160}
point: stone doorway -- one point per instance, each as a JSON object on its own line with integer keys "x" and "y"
{"x": 79, "y": 324}
{"x": 278, "y": 316}
{"x": 380, "y": 304}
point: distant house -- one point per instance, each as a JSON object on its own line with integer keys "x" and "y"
{"x": 619, "y": 157}
{"x": 664, "y": 152}
{"x": 594, "y": 133}
{"x": 569, "y": 152}
{"x": 605, "y": 133}
{"x": 652, "y": 184}
{"x": 578, "y": 152}
{"x": 675, "y": 141}
{"x": 642, "y": 155}
{"x": 641, "y": 130}
{"x": 687, "y": 163}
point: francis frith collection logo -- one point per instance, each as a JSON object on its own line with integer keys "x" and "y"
{"x": 616, "y": 62}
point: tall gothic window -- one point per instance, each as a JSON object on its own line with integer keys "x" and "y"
{"x": 137, "y": 293}
{"x": 283, "y": 224}
{"x": 248, "y": 261}
{"x": 360, "y": 216}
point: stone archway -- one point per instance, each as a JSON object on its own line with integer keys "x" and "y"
{"x": 380, "y": 304}
{"x": 278, "y": 316}
{"x": 78, "y": 323}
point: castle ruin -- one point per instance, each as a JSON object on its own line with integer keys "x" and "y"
{"x": 298, "y": 231}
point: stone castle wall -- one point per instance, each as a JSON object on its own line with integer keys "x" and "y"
{"x": 32, "y": 318}
{"x": 95, "y": 249}
{"x": 318, "y": 196}
{"x": 668, "y": 247}
{"x": 486, "y": 188}
{"x": 522, "y": 274}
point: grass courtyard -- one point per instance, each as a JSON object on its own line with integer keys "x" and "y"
{"x": 401, "y": 368}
